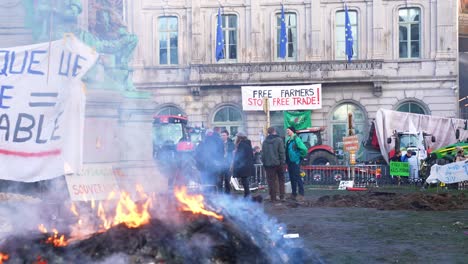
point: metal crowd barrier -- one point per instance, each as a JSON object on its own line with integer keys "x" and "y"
{"x": 259, "y": 178}
{"x": 363, "y": 175}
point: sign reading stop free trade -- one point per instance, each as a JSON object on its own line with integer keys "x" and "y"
{"x": 351, "y": 143}
{"x": 282, "y": 98}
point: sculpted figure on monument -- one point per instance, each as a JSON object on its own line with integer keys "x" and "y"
{"x": 51, "y": 19}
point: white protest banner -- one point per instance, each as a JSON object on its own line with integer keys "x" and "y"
{"x": 450, "y": 173}
{"x": 281, "y": 98}
{"x": 95, "y": 182}
{"x": 42, "y": 108}
{"x": 345, "y": 184}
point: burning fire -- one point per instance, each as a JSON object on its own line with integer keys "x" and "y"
{"x": 127, "y": 212}
{"x": 55, "y": 239}
{"x": 193, "y": 203}
{"x": 40, "y": 260}
{"x": 3, "y": 257}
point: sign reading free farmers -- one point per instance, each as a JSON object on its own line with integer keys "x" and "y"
{"x": 42, "y": 105}
{"x": 282, "y": 98}
{"x": 399, "y": 168}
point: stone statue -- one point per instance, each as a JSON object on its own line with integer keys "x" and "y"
{"x": 51, "y": 19}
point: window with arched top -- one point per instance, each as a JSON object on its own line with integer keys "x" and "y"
{"x": 411, "y": 107}
{"x": 228, "y": 118}
{"x": 339, "y": 123}
{"x": 170, "y": 110}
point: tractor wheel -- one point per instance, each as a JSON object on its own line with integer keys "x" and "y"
{"x": 321, "y": 157}
{"x": 339, "y": 175}
{"x": 317, "y": 176}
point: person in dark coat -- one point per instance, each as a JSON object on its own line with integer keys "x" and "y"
{"x": 243, "y": 166}
{"x": 225, "y": 177}
{"x": 273, "y": 160}
{"x": 209, "y": 157}
{"x": 397, "y": 158}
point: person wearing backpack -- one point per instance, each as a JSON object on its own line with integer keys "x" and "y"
{"x": 295, "y": 152}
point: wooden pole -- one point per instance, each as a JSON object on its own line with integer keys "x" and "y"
{"x": 266, "y": 109}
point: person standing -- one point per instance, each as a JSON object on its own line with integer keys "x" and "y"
{"x": 273, "y": 160}
{"x": 225, "y": 177}
{"x": 397, "y": 158}
{"x": 295, "y": 151}
{"x": 209, "y": 158}
{"x": 242, "y": 166}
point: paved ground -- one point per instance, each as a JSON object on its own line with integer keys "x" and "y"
{"x": 402, "y": 227}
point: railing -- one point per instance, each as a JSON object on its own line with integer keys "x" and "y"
{"x": 363, "y": 175}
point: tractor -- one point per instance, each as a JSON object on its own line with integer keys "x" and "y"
{"x": 318, "y": 154}
{"x": 174, "y": 143}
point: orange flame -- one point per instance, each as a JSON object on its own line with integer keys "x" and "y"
{"x": 193, "y": 203}
{"x": 40, "y": 260}
{"x": 42, "y": 228}
{"x": 73, "y": 209}
{"x": 3, "y": 257}
{"x": 127, "y": 212}
{"x": 55, "y": 239}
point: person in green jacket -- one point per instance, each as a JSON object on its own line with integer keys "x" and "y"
{"x": 295, "y": 151}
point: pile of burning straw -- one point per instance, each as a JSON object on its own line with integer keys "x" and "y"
{"x": 179, "y": 228}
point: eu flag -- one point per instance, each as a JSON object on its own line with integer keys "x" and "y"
{"x": 348, "y": 36}
{"x": 283, "y": 37}
{"x": 219, "y": 38}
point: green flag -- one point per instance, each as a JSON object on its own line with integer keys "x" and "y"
{"x": 297, "y": 119}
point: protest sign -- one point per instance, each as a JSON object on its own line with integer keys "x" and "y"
{"x": 345, "y": 184}
{"x": 42, "y": 108}
{"x": 281, "y": 98}
{"x": 450, "y": 173}
{"x": 351, "y": 143}
{"x": 399, "y": 168}
{"x": 95, "y": 182}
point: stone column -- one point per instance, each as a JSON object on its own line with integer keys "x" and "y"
{"x": 317, "y": 37}
{"x": 12, "y": 31}
{"x": 196, "y": 30}
{"x": 446, "y": 37}
{"x": 376, "y": 38}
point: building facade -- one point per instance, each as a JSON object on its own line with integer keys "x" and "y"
{"x": 405, "y": 58}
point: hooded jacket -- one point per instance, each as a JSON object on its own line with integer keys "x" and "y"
{"x": 273, "y": 153}
{"x": 295, "y": 148}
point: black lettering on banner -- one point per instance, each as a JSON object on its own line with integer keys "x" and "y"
{"x": 26, "y": 129}
{"x": 39, "y": 131}
{"x": 43, "y": 96}
{"x": 67, "y": 70}
{"x": 3, "y": 71}
{"x": 13, "y": 65}
{"x": 56, "y": 127}
{"x": 5, "y": 127}
{"x": 77, "y": 66}
{"x": 3, "y": 96}
{"x": 23, "y": 65}
{"x": 32, "y": 61}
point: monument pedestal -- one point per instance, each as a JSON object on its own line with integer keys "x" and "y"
{"x": 118, "y": 131}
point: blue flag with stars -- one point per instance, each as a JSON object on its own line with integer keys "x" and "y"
{"x": 348, "y": 36}
{"x": 219, "y": 38}
{"x": 283, "y": 35}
